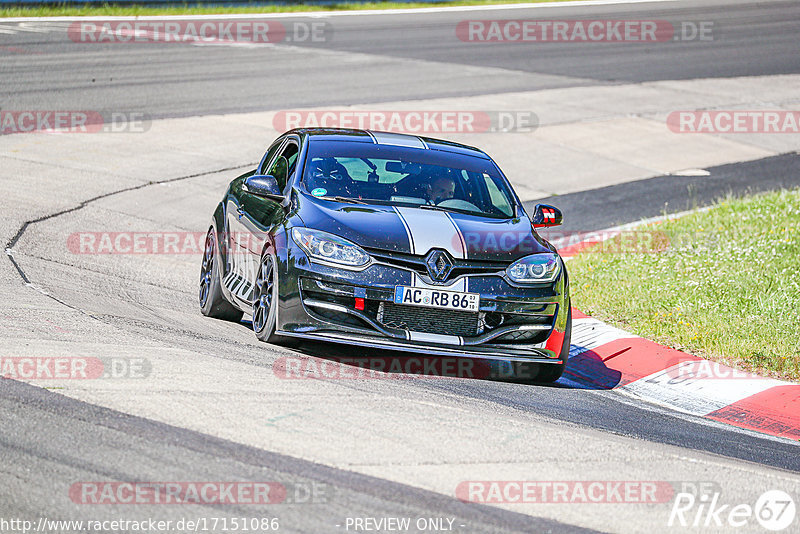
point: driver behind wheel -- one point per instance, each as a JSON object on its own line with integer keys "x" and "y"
{"x": 440, "y": 188}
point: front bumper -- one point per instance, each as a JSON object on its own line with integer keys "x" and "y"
{"x": 513, "y": 323}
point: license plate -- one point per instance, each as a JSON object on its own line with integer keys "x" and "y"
{"x": 434, "y": 298}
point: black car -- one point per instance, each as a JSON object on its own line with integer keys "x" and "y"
{"x": 388, "y": 241}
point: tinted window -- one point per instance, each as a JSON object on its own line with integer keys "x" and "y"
{"x": 284, "y": 165}
{"x": 409, "y": 177}
{"x": 268, "y": 156}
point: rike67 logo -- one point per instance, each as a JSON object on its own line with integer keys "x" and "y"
{"x": 774, "y": 510}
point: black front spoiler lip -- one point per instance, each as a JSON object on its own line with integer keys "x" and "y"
{"x": 536, "y": 355}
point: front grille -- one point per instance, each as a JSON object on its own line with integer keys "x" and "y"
{"x": 416, "y": 263}
{"x": 428, "y": 320}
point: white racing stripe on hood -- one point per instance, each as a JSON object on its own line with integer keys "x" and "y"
{"x": 463, "y": 243}
{"x": 429, "y": 229}
{"x": 408, "y": 230}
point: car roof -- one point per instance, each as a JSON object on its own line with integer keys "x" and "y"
{"x": 388, "y": 138}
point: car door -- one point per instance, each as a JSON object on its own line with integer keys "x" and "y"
{"x": 257, "y": 217}
{"x": 236, "y": 279}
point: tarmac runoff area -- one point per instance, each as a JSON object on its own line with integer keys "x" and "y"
{"x": 215, "y": 378}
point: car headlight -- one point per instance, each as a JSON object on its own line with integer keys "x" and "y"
{"x": 534, "y": 268}
{"x": 328, "y": 247}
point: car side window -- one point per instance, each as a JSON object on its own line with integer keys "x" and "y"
{"x": 268, "y": 156}
{"x": 285, "y": 164}
{"x": 498, "y": 198}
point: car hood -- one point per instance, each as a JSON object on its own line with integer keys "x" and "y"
{"x": 416, "y": 231}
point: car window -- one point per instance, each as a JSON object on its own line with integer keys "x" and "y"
{"x": 268, "y": 156}
{"x": 395, "y": 176}
{"x": 285, "y": 164}
{"x": 498, "y": 197}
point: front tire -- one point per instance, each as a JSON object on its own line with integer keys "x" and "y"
{"x": 212, "y": 302}
{"x": 265, "y": 304}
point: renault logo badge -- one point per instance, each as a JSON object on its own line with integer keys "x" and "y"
{"x": 439, "y": 265}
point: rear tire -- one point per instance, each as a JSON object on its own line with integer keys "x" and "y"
{"x": 212, "y": 301}
{"x": 551, "y": 372}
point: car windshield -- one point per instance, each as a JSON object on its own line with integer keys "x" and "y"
{"x": 392, "y": 175}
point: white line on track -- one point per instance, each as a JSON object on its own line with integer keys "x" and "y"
{"x": 360, "y": 12}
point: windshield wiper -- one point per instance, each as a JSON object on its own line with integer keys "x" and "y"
{"x": 347, "y": 200}
{"x": 457, "y": 210}
{"x": 441, "y": 208}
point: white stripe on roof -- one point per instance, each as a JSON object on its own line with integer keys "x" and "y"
{"x": 383, "y": 138}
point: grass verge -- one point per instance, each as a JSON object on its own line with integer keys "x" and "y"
{"x": 723, "y": 284}
{"x": 71, "y": 10}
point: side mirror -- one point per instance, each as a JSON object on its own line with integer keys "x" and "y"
{"x": 545, "y": 215}
{"x": 263, "y": 185}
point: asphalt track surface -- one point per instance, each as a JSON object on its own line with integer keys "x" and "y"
{"x": 606, "y": 207}
{"x": 46, "y": 436}
{"x": 383, "y": 58}
{"x": 123, "y": 448}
